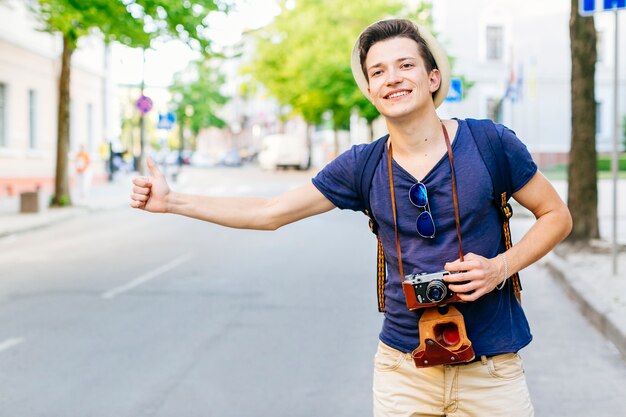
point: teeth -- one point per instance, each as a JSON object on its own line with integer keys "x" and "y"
{"x": 398, "y": 94}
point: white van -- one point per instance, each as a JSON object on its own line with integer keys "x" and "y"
{"x": 284, "y": 151}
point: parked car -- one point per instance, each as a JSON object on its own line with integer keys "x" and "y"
{"x": 284, "y": 151}
{"x": 231, "y": 158}
{"x": 202, "y": 160}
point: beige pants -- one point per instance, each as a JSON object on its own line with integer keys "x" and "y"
{"x": 492, "y": 387}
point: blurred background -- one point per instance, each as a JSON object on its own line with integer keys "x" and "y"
{"x": 107, "y": 311}
{"x": 137, "y": 81}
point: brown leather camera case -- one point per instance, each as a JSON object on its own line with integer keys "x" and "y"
{"x": 433, "y": 349}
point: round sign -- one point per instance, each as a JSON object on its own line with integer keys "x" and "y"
{"x": 144, "y": 104}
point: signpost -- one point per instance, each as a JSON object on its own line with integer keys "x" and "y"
{"x": 587, "y": 8}
{"x": 455, "y": 93}
{"x": 166, "y": 121}
{"x": 144, "y": 104}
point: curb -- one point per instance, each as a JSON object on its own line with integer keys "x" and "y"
{"x": 599, "y": 317}
{"x": 69, "y": 213}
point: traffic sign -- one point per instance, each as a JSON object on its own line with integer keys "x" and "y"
{"x": 144, "y": 104}
{"x": 455, "y": 93}
{"x": 166, "y": 121}
{"x": 589, "y": 7}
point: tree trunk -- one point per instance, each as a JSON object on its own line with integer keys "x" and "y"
{"x": 582, "y": 172}
{"x": 61, "y": 195}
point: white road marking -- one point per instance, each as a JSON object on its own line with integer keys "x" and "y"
{"x": 142, "y": 279}
{"x": 9, "y": 343}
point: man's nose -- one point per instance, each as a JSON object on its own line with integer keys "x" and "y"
{"x": 393, "y": 76}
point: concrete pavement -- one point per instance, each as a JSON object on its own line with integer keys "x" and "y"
{"x": 585, "y": 273}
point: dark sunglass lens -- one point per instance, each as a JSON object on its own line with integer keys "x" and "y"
{"x": 418, "y": 195}
{"x": 425, "y": 225}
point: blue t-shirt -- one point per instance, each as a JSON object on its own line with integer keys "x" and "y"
{"x": 495, "y": 322}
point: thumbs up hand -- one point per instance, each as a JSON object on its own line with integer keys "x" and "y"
{"x": 149, "y": 193}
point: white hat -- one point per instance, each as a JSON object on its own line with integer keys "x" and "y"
{"x": 441, "y": 58}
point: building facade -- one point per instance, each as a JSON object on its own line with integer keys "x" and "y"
{"x": 29, "y": 73}
{"x": 517, "y": 56}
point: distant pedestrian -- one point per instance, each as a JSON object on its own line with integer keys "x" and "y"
{"x": 82, "y": 164}
{"x": 449, "y": 342}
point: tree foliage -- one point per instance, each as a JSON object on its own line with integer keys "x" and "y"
{"x": 131, "y": 22}
{"x": 582, "y": 172}
{"x": 197, "y": 97}
{"x": 303, "y": 57}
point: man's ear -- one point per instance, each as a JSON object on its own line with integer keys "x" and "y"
{"x": 435, "y": 80}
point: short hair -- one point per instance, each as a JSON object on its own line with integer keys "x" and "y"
{"x": 394, "y": 28}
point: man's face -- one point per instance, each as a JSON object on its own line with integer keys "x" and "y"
{"x": 398, "y": 82}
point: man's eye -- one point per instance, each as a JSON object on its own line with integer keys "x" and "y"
{"x": 407, "y": 65}
{"x": 375, "y": 73}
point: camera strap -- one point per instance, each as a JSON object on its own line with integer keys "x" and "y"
{"x": 455, "y": 200}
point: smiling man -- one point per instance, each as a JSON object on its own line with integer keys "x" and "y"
{"x": 430, "y": 188}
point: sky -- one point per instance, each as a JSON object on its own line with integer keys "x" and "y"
{"x": 165, "y": 59}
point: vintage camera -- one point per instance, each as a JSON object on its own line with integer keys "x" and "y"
{"x": 427, "y": 290}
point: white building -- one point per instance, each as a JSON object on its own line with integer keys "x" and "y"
{"x": 525, "y": 45}
{"x": 29, "y": 74}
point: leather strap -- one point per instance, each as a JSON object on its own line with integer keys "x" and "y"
{"x": 507, "y": 214}
{"x": 380, "y": 272}
{"x": 455, "y": 197}
{"x": 455, "y": 201}
{"x": 393, "y": 209}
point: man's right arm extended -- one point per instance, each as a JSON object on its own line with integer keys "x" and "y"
{"x": 154, "y": 195}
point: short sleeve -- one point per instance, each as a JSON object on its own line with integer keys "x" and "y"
{"x": 337, "y": 182}
{"x": 521, "y": 164}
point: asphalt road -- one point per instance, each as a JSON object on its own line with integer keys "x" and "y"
{"x": 128, "y": 314}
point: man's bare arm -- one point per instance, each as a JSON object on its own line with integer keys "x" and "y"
{"x": 553, "y": 224}
{"x": 154, "y": 195}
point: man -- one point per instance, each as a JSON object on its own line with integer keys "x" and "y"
{"x": 401, "y": 69}
{"x": 83, "y": 172}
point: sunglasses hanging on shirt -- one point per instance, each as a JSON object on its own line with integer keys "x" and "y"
{"x": 425, "y": 225}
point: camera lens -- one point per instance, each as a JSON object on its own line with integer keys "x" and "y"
{"x": 436, "y": 291}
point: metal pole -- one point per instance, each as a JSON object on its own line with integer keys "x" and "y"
{"x": 142, "y": 119}
{"x": 615, "y": 156}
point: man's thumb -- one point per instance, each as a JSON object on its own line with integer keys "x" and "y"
{"x": 152, "y": 167}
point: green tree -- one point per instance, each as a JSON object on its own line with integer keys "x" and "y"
{"x": 303, "y": 57}
{"x": 131, "y": 22}
{"x": 197, "y": 99}
{"x": 582, "y": 193}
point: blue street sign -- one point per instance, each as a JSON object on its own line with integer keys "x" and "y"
{"x": 589, "y": 7}
{"x": 166, "y": 121}
{"x": 455, "y": 93}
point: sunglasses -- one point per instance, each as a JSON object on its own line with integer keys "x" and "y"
{"x": 419, "y": 198}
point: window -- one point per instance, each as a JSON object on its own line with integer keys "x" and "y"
{"x": 495, "y": 42}
{"x": 32, "y": 119}
{"x": 494, "y": 109}
{"x": 3, "y": 112}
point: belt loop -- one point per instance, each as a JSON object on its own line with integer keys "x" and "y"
{"x": 483, "y": 359}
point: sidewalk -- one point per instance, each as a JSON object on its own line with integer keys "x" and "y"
{"x": 584, "y": 272}
{"x": 105, "y": 196}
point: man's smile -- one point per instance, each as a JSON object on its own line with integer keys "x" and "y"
{"x": 397, "y": 93}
